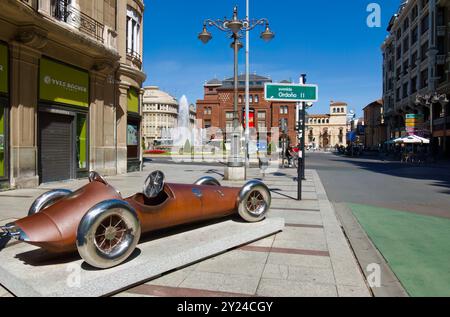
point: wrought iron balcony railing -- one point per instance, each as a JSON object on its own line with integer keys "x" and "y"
{"x": 63, "y": 11}
{"x": 133, "y": 54}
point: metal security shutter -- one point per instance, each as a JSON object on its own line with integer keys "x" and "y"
{"x": 55, "y": 147}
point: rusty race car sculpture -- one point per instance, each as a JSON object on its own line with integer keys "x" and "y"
{"x": 105, "y": 228}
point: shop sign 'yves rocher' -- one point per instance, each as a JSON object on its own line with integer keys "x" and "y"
{"x": 63, "y": 84}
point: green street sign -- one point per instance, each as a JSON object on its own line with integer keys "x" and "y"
{"x": 414, "y": 116}
{"x": 291, "y": 92}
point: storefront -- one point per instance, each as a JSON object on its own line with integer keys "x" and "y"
{"x": 4, "y": 114}
{"x": 133, "y": 131}
{"x": 63, "y": 121}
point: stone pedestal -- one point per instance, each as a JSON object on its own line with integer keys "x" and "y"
{"x": 235, "y": 173}
{"x": 29, "y": 271}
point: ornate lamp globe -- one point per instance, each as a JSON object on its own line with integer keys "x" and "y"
{"x": 205, "y": 36}
{"x": 267, "y": 35}
{"x": 235, "y": 25}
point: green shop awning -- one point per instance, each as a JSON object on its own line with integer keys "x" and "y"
{"x": 63, "y": 84}
{"x": 3, "y": 69}
{"x": 133, "y": 100}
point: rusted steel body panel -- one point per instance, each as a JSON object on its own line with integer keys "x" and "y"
{"x": 55, "y": 228}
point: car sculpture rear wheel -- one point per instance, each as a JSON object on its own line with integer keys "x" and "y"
{"x": 47, "y": 199}
{"x": 108, "y": 234}
{"x": 254, "y": 201}
{"x": 207, "y": 181}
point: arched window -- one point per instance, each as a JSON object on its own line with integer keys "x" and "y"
{"x": 334, "y": 110}
{"x": 342, "y": 110}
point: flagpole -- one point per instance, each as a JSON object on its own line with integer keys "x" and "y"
{"x": 247, "y": 88}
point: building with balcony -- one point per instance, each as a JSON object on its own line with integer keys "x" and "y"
{"x": 215, "y": 110}
{"x": 70, "y": 89}
{"x": 324, "y": 131}
{"x": 375, "y": 129}
{"x": 416, "y": 60}
{"x": 159, "y": 114}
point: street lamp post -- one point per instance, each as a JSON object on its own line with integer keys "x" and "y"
{"x": 247, "y": 88}
{"x": 444, "y": 102}
{"x": 428, "y": 100}
{"x": 234, "y": 27}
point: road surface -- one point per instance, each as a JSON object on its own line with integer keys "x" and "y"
{"x": 405, "y": 211}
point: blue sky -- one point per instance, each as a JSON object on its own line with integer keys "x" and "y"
{"x": 328, "y": 40}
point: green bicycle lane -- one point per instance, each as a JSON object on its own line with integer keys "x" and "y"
{"x": 416, "y": 247}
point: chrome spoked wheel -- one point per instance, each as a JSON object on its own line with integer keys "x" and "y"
{"x": 254, "y": 201}
{"x": 111, "y": 233}
{"x": 108, "y": 234}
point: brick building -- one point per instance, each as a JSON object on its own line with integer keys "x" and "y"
{"x": 216, "y": 107}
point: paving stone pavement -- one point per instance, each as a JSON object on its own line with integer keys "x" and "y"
{"x": 311, "y": 257}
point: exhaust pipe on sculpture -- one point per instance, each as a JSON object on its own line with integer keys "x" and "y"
{"x": 11, "y": 231}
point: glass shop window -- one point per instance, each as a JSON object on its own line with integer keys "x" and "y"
{"x": 82, "y": 141}
{"x": 132, "y": 139}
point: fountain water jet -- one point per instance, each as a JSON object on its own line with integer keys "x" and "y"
{"x": 184, "y": 130}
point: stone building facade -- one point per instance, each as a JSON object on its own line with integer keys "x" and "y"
{"x": 192, "y": 116}
{"x": 70, "y": 89}
{"x": 416, "y": 56}
{"x": 160, "y": 113}
{"x": 325, "y": 131}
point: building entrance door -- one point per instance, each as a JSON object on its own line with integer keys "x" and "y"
{"x": 56, "y": 143}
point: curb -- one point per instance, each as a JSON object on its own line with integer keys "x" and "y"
{"x": 345, "y": 265}
{"x": 366, "y": 254}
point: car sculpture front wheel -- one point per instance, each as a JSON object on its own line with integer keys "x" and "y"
{"x": 254, "y": 201}
{"x": 108, "y": 234}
